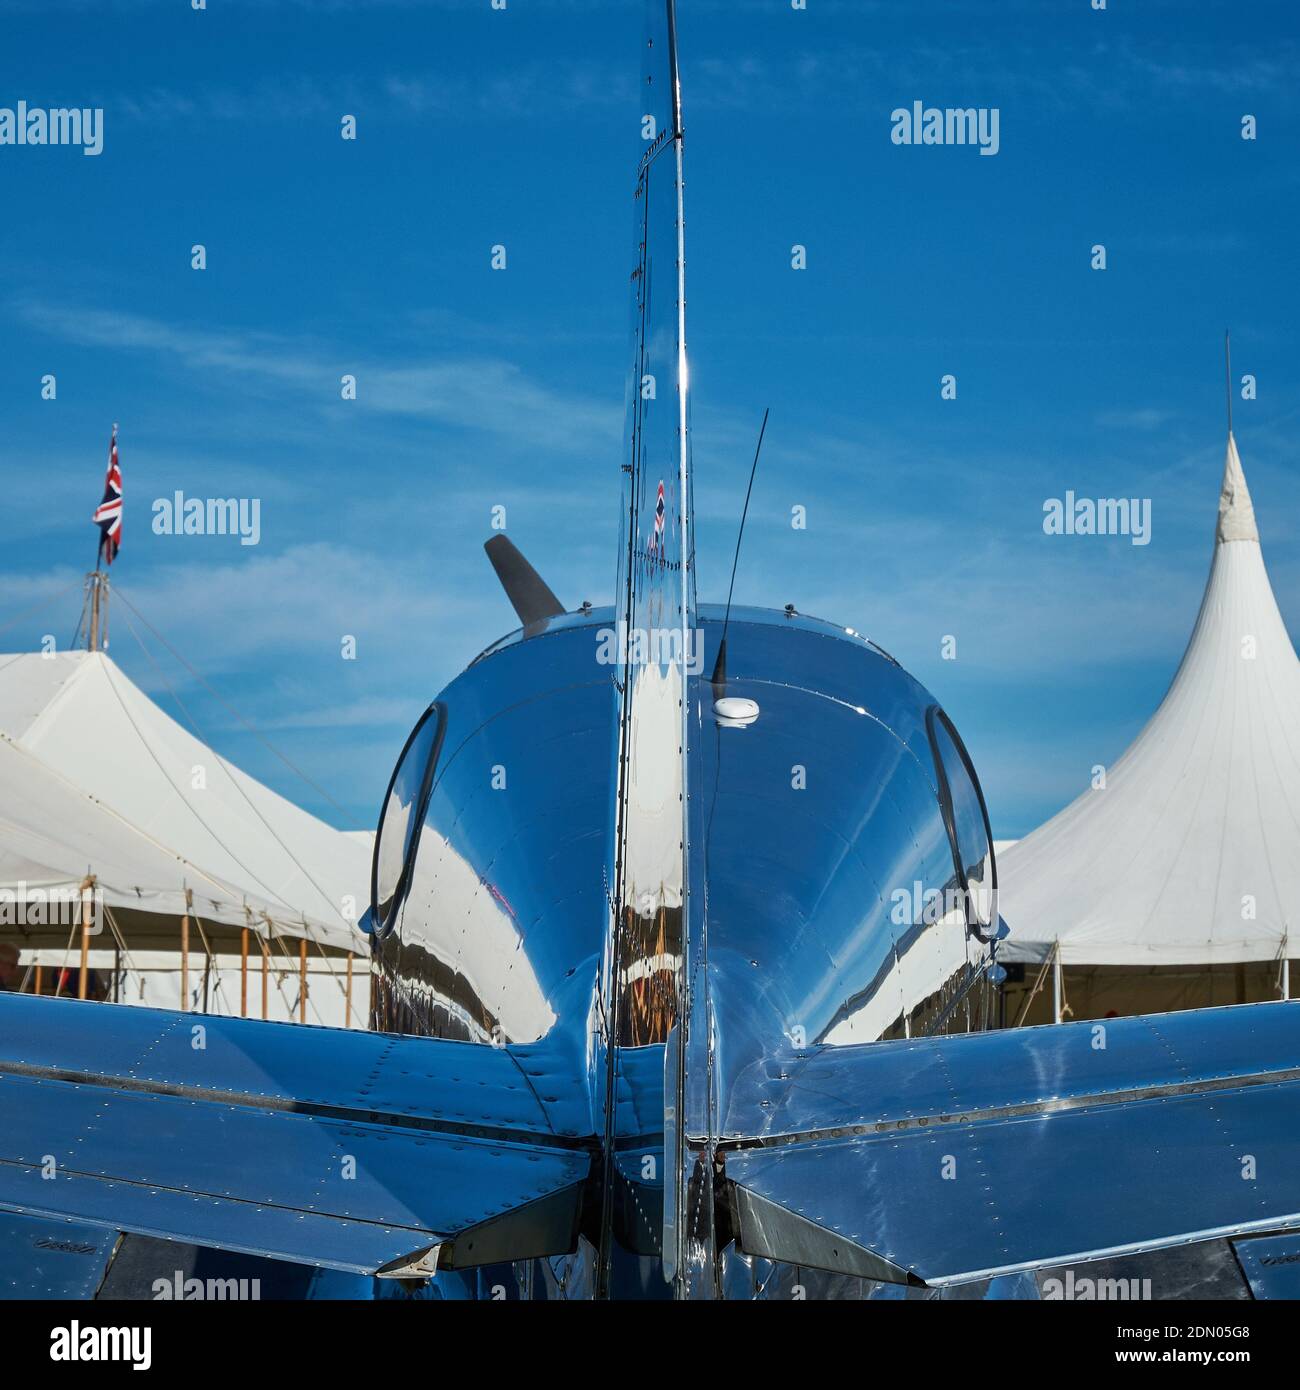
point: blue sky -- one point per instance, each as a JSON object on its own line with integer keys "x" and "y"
{"x": 478, "y": 388}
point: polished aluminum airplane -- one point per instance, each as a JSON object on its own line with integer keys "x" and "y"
{"x": 684, "y": 935}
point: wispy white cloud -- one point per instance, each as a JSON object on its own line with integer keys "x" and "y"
{"x": 482, "y": 392}
{"x": 366, "y": 712}
{"x": 1136, "y": 418}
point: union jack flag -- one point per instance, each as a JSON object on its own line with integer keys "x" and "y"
{"x": 657, "y": 540}
{"x": 108, "y": 515}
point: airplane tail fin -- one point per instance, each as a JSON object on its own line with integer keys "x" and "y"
{"x": 655, "y": 556}
{"x": 655, "y": 608}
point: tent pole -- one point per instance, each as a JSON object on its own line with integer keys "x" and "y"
{"x": 1227, "y": 373}
{"x": 185, "y": 955}
{"x": 347, "y": 999}
{"x": 243, "y": 973}
{"x": 1056, "y": 982}
{"x": 1286, "y": 972}
{"x": 85, "y": 942}
{"x": 302, "y": 980}
{"x": 40, "y": 973}
{"x": 92, "y": 643}
{"x": 262, "y": 943}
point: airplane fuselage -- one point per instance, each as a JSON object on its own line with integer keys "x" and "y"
{"x": 833, "y": 865}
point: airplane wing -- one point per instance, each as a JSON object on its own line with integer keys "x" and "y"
{"x": 950, "y": 1159}
{"x": 350, "y": 1150}
{"x": 932, "y": 1161}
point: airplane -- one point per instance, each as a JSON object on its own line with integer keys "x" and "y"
{"x": 684, "y": 947}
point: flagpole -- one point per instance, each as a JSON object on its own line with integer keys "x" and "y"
{"x": 98, "y": 579}
{"x": 92, "y": 642}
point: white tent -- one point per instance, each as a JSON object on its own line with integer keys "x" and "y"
{"x": 98, "y": 783}
{"x": 1190, "y": 854}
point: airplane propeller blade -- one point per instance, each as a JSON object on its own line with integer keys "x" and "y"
{"x": 525, "y": 588}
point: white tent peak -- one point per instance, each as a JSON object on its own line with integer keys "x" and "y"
{"x": 1190, "y": 853}
{"x": 98, "y": 779}
{"x": 1236, "y": 512}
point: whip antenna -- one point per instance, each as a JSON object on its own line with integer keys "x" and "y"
{"x": 719, "y": 678}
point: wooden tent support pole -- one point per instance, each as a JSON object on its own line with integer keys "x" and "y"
{"x": 85, "y": 941}
{"x": 1057, "y": 983}
{"x": 185, "y": 955}
{"x": 302, "y": 980}
{"x": 263, "y": 944}
{"x": 40, "y": 978}
{"x": 243, "y": 973}
{"x": 347, "y": 1003}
